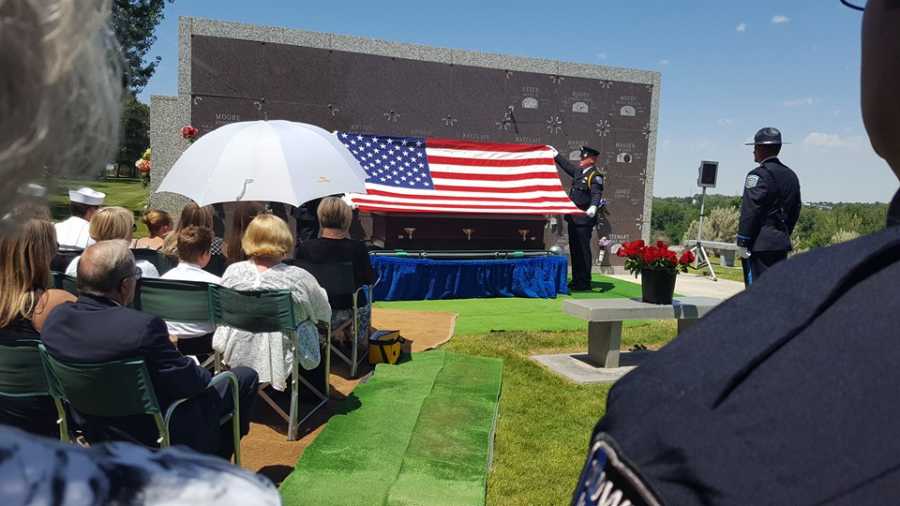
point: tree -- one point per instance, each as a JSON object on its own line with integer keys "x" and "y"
{"x": 135, "y": 132}
{"x": 134, "y": 22}
{"x": 720, "y": 225}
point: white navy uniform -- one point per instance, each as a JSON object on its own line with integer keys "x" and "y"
{"x": 73, "y": 233}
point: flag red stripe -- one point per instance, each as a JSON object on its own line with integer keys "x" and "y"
{"x": 437, "y": 196}
{"x": 484, "y": 146}
{"x": 493, "y": 177}
{"x": 487, "y": 162}
{"x": 519, "y": 189}
{"x": 444, "y": 209}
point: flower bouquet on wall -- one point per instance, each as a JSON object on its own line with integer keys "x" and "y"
{"x": 144, "y": 166}
{"x": 658, "y": 267}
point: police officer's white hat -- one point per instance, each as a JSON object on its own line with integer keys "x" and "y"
{"x": 87, "y": 196}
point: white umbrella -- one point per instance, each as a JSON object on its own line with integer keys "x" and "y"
{"x": 275, "y": 161}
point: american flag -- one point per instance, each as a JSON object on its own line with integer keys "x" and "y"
{"x": 428, "y": 175}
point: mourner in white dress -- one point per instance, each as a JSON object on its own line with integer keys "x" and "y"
{"x": 265, "y": 352}
{"x": 72, "y": 233}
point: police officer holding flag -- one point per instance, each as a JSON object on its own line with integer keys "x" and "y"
{"x": 769, "y": 209}
{"x": 587, "y": 194}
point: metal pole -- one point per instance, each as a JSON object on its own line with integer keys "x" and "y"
{"x": 702, "y": 256}
{"x": 702, "y": 207}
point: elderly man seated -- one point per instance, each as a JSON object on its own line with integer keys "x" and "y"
{"x": 99, "y": 328}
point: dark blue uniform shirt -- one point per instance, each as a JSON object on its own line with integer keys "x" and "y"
{"x": 788, "y": 393}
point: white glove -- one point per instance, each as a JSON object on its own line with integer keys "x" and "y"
{"x": 743, "y": 252}
{"x": 591, "y": 212}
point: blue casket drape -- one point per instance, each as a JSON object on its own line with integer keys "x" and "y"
{"x": 405, "y": 278}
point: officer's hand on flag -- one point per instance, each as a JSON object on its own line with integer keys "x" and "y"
{"x": 743, "y": 252}
{"x": 591, "y": 212}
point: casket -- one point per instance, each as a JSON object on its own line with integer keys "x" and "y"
{"x": 442, "y": 232}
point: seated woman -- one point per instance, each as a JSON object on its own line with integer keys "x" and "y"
{"x": 159, "y": 223}
{"x": 266, "y": 242}
{"x": 113, "y": 223}
{"x": 335, "y": 246}
{"x": 25, "y": 302}
{"x": 193, "y": 215}
{"x": 242, "y": 215}
{"x": 193, "y": 255}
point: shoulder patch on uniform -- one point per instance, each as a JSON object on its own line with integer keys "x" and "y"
{"x": 608, "y": 480}
{"x": 752, "y": 181}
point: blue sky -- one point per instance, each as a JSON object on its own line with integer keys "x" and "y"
{"x": 727, "y": 68}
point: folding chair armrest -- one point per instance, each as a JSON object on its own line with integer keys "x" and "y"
{"x": 218, "y": 378}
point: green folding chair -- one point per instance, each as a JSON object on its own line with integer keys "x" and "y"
{"x": 124, "y": 388}
{"x": 273, "y": 311}
{"x": 22, "y": 375}
{"x": 337, "y": 280}
{"x": 180, "y": 301}
{"x": 157, "y": 258}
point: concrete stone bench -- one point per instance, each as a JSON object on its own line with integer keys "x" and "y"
{"x": 727, "y": 251}
{"x": 605, "y": 317}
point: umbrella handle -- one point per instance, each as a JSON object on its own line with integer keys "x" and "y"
{"x": 244, "y": 189}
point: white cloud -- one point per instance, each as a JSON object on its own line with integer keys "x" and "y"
{"x": 780, "y": 20}
{"x": 725, "y": 122}
{"x": 741, "y": 27}
{"x": 797, "y": 102}
{"x": 601, "y": 56}
{"x": 663, "y": 62}
{"x": 825, "y": 140}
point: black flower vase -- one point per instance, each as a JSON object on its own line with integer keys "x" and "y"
{"x": 658, "y": 286}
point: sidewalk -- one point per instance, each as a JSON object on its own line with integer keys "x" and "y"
{"x": 696, "y": 286}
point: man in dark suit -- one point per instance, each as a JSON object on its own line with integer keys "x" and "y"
{"x": 769, "y": 209}
{"x": 99, "y": 328}
{"x": 586, "y": 193}
{"x": 786, "y": 393}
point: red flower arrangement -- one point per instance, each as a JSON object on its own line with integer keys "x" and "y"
{"x": 639, "y": 256}
{"x": 190, "y": 133}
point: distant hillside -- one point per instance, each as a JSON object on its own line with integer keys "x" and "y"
{"x": 821, "y": 223}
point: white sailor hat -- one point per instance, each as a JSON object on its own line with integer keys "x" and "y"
{"x": 87, "y": 196}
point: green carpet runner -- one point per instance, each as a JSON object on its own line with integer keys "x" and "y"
{"x": 417, "y": 433}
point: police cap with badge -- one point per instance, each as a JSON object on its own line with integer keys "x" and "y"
{"x": 587, "y": 151}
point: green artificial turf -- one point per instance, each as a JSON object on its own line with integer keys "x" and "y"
{"x": 416, "y": 433}
{"x": 482, "y": 316}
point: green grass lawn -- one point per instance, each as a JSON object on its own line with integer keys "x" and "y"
{"x": 545, "y": 421}
{"x": 482, "y": 316}
{"x": 130, "y": 194}
{"x": 729, "y": 273}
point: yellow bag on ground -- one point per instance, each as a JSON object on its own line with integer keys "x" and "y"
{"x": 386, "y": 346}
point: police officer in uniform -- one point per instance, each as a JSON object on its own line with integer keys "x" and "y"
{"x": 769, "y": 209}
{"x": 587, "y": 194}
{"x": 785, "y": 393}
